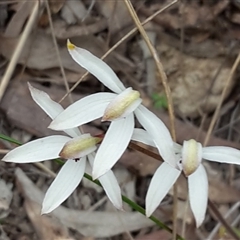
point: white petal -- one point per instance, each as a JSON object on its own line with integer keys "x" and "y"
{"x": 142, "y": 136}
{"x": 82, "y": 111}
{"x": 162, "y": 181}
{"x": 110, "y": 185}
{"x": 114, "y": 144}
{"x": 112, "y": 189}
{"x": 159, "y": 133}
{"x": 38, "y": 150}
{"x": 50, "y": 107}
{"x": 198, "y": 194}
{"x": 96, "y": 67}
{"x": 222, "y": 154}
{"x": 64, "y": 184}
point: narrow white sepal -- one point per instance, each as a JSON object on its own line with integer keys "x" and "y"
{"x": 64, "y": 184}
{"x": 198, "y": 194}
{"x": 38, "y": 150}
{"x": 112, "y": 189}
{"x": 98, "y": 68}
{"x": 110, "y": 185}
{"x": 50, "y": 107}
{"x": 141, "y": 135}
{"x": 114, "y": 144}
{"x": 83, "y": 111}
{"x": 159, "y": 133}
{"x": 162, "y": 181}
{"x": 222, "y": 154}
{"x": 43, "y": 100}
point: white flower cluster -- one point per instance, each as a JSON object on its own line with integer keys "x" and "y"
{"x": 119, "y": 108}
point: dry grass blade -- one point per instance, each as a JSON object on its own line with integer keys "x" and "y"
{"x": 57, "y": 50}
{"x": 26, "y": 32}
{"x": 167, "y": 91}
{"x": 158, "y": 63}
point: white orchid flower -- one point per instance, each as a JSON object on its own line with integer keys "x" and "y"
{"x": 189, "y": 157}
{"x": 77, "y": 149}
{"x": 118, "y": 107}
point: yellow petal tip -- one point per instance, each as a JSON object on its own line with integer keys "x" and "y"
{"x": 70, "y": 46}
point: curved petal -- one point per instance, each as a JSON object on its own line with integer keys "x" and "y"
{"x": 50, "y": 107}
{"x": 38, "y": 150}
{"x": 83, "y": 111}
{"x": 162, "y": 181}
{"x": 114, "y": 144}
{"x": 198, "y": 194}
{"x": 222, "y": 154}
{"x": 110, "y": 185}
{"x": 159, "y": 132}
{"x": 96, "y": 67}
{"x": 64, "y": 184}
{"x": 140, "y": 135}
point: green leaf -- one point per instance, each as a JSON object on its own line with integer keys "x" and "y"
{"x": 159, "y": 101}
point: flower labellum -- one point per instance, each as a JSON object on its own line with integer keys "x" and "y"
{"x": 122, "y": 105}
{"x": 191, "y": 156}
{"x": 79, "y": 147}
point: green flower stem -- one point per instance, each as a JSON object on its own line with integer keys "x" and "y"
{"x": 134, "y": 205}
{"x": 9, "y": 139}
{"x": 138, "y": 208}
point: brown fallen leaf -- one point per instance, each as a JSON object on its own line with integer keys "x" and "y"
{"x": 195, "y": 16}
{"x": 74, "y": 12}
{"x": 161, "y": 234}
{"x": 20, "y": 109}
{"x": 45, "y": 226}
{"x": 116, "y": 13}
{"x": 39, "y": 52}
{"x": 95, "y": 224}
{"x": 15, "y": 26}
{"x": 195, "y": 84}
{"x": 56, "y": 6}
{"x": 64, "y": 31}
